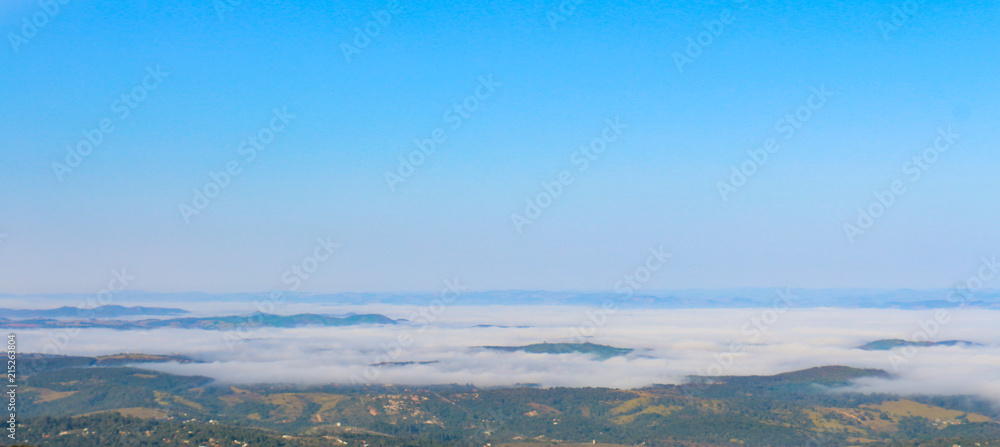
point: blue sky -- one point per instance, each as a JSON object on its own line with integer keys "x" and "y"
{"x": 896, "y": 82}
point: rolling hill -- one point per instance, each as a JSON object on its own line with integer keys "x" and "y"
{"x": 790, "y": 409}
{"x": 601, "y": 351}
{"x": 887, "y": 344}
{"x": 208, "y": 323}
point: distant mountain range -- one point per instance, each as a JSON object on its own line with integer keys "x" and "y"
{"x": 670, "y": 299}
{"x": 885, "y": 345}
{"x": 602, "y": 351}
{"x": 208, "y": 323}
{"x": 109, "y": 311}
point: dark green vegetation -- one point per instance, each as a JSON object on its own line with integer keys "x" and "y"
{"x": 885, "y": 345}
{"x": 109, "y": 311}
{"x": 34, "y": 363}
{"x": 132, "y": 406}
{"x": 804, "y": 381}
{"x": 601, "y": 351}
{"x": 116, "y": 430}
{"x": 209, "y": 323}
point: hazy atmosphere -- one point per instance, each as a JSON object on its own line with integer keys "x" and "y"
{"x": 646, "y": 127}
{"x": 298, "y": 223}
{"x": 669, "y": 346}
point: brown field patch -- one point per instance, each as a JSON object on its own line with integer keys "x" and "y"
{"x": 139, "y": 412}
{"x": 47, "y": 395}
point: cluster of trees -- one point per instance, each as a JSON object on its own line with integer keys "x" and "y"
{"x": 96, "y": 389}
{"x": 115, "y": 430}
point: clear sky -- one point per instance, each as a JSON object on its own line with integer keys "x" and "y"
{"x": 356, "y": 83}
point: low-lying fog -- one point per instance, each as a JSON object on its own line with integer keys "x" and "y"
{"x": 668, "y": 346}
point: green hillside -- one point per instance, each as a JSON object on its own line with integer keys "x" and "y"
{"x": 887, "y": 344}
{"x": 601, "y": 351}
{"x": 790, "y": 409}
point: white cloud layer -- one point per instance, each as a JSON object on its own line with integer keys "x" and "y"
{"x": 669, "y": 345}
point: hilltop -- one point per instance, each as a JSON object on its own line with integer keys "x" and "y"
{"x": 109, "y": 311}
{"x": 208, "y": 323}
{"x": 602, "y": 351}
{"x": 887, "y": 344}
